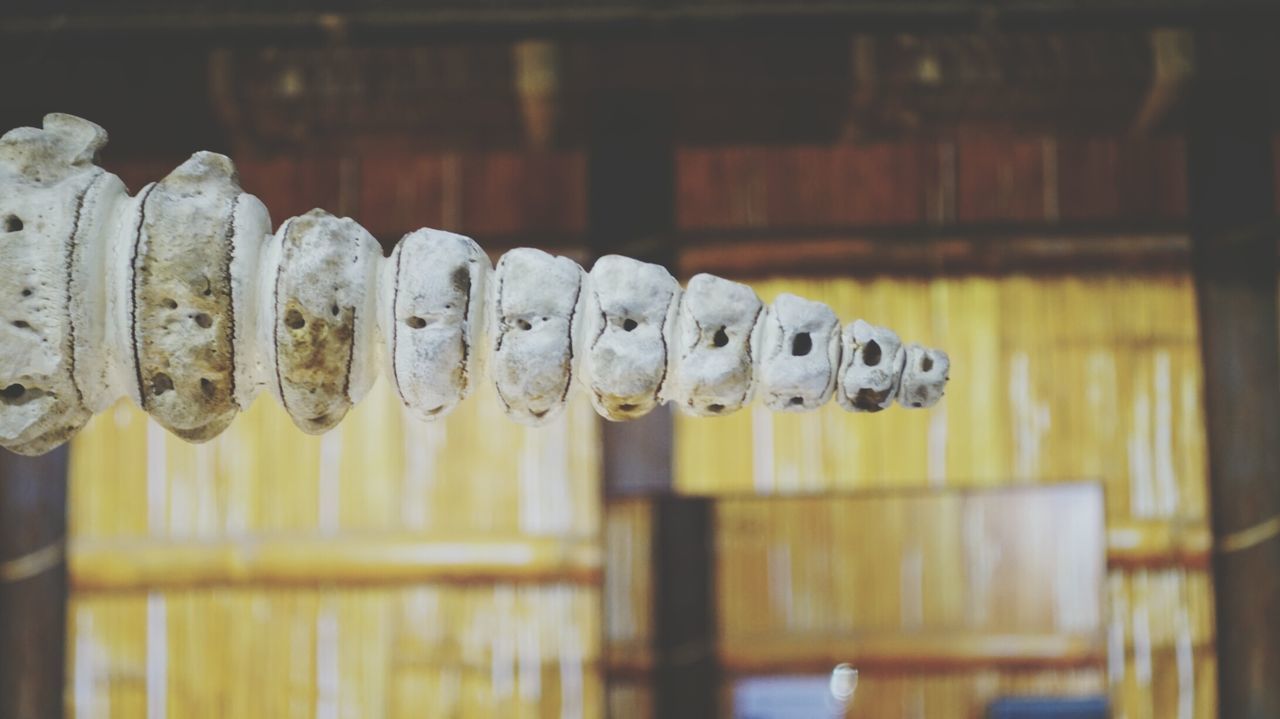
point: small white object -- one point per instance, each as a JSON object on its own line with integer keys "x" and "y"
{"x": 870, "y": 368}
{"x": 318, "y": 316}
{"x": 535, "y": 302}
{"x": 432, "y": 296}
{"x": 716, "y": 345}
{"x": 800, "y": 354}
{"x": 630, "y": 309}
{"x": 924, "y": 377}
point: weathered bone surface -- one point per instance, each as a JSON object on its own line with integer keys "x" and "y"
{"x": 800, "y": 350}
{"x": 716, "y": 345}
{"x": 433, "y": 319}
{"x": 924, "y": 378}
{"x": 182, "y": 298}
{"x": 535, "y": 317}
{"x": 871, "y": 367}
{"x": 630, "y": 310}
{"x": 321, "y": 317}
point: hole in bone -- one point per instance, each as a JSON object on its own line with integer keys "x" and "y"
{"x": 19, "y": 394}
{"x": 871, "y": 353}
{"x": 335, "y": 310}
{"x": 539, "y": 413}
{"x": 626, "y": 407}
{"x": 171, "y": 303}
{"x": 208, "y": 287}
{"x": 207, "y": 387}
{"x": 416, "y": 322}
{"x": 160, "y": 383}
{"x": 797, "y": 401}
{"x": 715, "y": 408}
{"x": 926, "y": 363}
{"x": 801, "y": 344}
{"x": 293, "y": 320}
{"x": 12, "y": 223}
{"x": 319, "y": 419}
{"x": 629, "y": 324}
{"x": 917, "y": 404}
{"x": 524, "y": 324}
{"x": 435, "y": 410}
{"x": 203, "y": 320}
{"x": 13, "y": 391}
{"x": 719, "y": 339}
{"x": 26, "y": 292}
{"x": 21, "y": 324}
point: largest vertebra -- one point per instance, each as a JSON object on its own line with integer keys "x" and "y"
{"x": 183, "y": 299}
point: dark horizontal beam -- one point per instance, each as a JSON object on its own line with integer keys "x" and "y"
{"x": 412, "y": 20}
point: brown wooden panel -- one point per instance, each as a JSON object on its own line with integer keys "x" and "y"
{"x": 1001, "y": 178}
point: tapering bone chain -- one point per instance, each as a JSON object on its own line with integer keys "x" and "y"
{"x": 183, "y": 298}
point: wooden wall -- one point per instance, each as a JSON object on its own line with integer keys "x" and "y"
{"x": 241, "y": 640}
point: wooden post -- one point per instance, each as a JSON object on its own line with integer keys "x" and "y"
{"x": 33, "y": 584}
{"x": 1233, "y": 230}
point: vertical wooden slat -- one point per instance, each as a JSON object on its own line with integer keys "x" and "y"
{"x": 33, "y": 584}
{"x": 1233, "y": 231}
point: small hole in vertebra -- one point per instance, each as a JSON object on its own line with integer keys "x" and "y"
{"x": 12, "y": 223}
{"x": 926, "y": 363}
{"x": 539, "y": 414}
{"x": 319, "y": 419}
{"x": 795, "y": 401}
{"x": 203, "y": 320}
{"x": 171, "y": 303}
{"x": 524, "y": 325}
{"x": 626, "y": 407}
{"x": 13, "y": 391}
{"x": 720, "y": 338}
{"x": 335, "y": 310}
{"x": 160, "y": 384}
{"x": 871, "y": 354}
{"x": 715, "y": 408}
{"x": 629, "y": 324}
{"x": 416, "y": 322}
{"x": 293, "y": 320}
{"x": 22, "y": 325}
{"x": 801, "y": 344}
{"x": 26, "y": 292}
{"x": 207, "y": 387}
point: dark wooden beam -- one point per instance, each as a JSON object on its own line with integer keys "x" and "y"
{"x": 33, "y": 584}
{"x": 1233, "y": 232}
{"x": 686, "y": 676}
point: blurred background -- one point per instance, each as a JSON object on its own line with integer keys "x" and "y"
{"x": 1075, "y": 199}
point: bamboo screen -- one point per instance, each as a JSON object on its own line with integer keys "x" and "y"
{"x": 272, "y": 642}
{"x": 1053, "y": 378}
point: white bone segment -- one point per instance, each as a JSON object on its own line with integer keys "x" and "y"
{"x": 870, "y": 368}
{"x": 535, "y": 302}
{"x": 630, "y": 309}
{"x": 716, "y": 345}
{"x": 183, "y": 313}
{"x": 433, "y": 296}
{"x": 182, "y": 299}
{"x": 321, "y": 317}
{"x": 800, "y": 354}
{"x": 45, "y": 175}
{"x": 924, "y": 378}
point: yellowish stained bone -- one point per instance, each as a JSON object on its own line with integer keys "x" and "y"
{"x": 184, "y": 300}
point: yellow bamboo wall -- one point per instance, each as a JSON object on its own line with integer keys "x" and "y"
{"x": 512, "y": 650}
{"x": 1052, "y": 378}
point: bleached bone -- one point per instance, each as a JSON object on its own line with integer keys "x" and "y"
{"x": 433, "y": 293}
{"x": 534, "y": 318}
{"x": 716, "y": 344}
{"x": 182, "y": 299}
{"x": 924, "y": 378}
{"x": 870, "y": 368}
{"x": 630, "y": 309}
{"x": 320, "y": 316}
{"x": 45, "y": 177}
{"x": 800, "y": 351}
